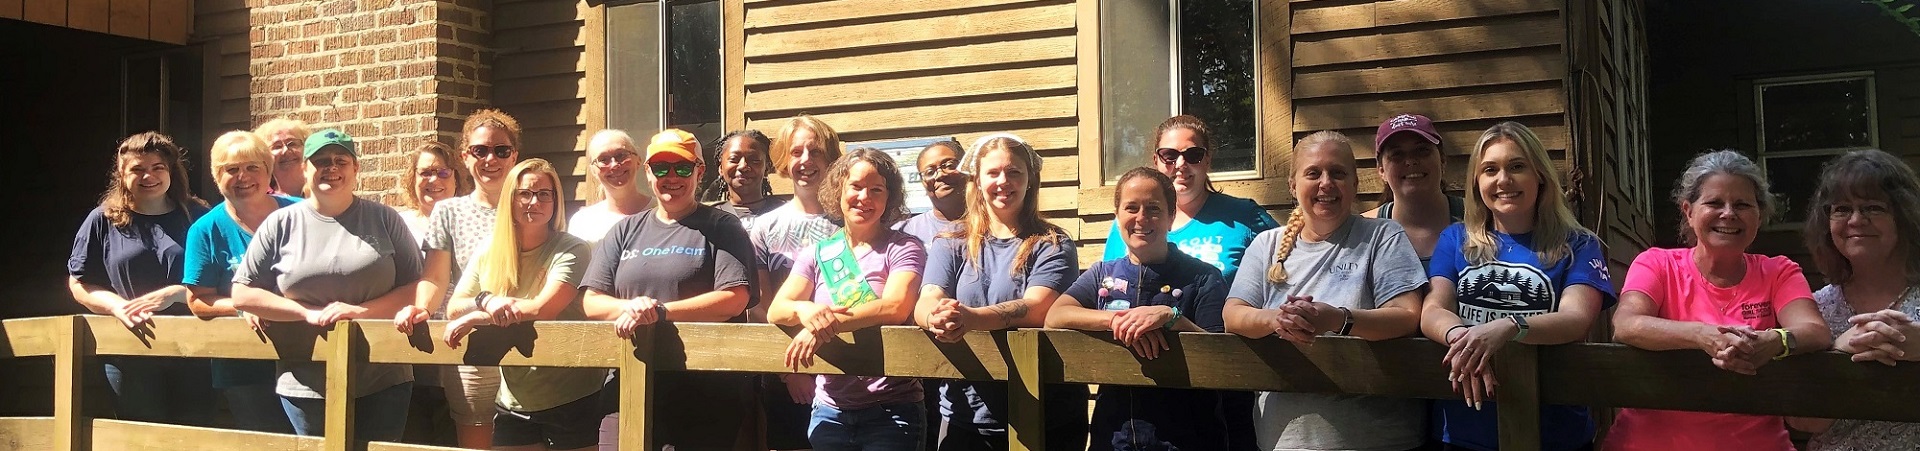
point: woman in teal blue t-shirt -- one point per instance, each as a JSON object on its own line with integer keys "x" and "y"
{"x": 1207, "y": 224}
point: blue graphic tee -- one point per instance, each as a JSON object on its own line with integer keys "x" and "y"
{"x": 1515, "y": 283}
{"x": 1217, "y": 235}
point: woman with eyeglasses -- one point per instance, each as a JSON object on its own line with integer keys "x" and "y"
{"x": 434, "y": 178}
{"x": 681, "y": 261}
{"x": 615, "y": 167}
{"x": 1742, "y": 310}
{"x": 333, "y": 257}
{"x": 939, "y": 167}
{"x": 285, "y": 137}
{"x": 741, "y": 186}
{"x": 454, "y": 233}
{"x": 128, "y": 261}
{"x": 242, "y": 168}
{"x": 530, "y": 270}
{"x": 1865, "y": 236}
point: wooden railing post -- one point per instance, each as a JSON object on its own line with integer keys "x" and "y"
{"x": 1518, "y": 395}
{"x": 1026, "y": 406}
{"x": 346, "y": 352}
{"x": 73, "y": 431}
{"x": 636, "y": 391}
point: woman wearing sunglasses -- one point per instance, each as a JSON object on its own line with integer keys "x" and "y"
{"x": 616, "y": 168}
{"x": 455, "y": 232}
{"x": 682, "y": 261}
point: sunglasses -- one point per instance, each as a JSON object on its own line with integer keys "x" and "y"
{"x": 499, "y": 152}
{"x": 441, "y": 173}
{"x": 682, "y": 169}
{"x": 1193, "y": 155}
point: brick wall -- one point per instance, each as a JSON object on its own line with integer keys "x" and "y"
{"x": 392, "y": 73}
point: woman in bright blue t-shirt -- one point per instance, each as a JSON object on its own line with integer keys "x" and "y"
{"x": 1494, "y": 282}
{"x": 1207, "y": 224}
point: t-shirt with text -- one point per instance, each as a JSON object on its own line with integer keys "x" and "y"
{"x": 1218, "y": 234}
{"x": 903, "y": 253}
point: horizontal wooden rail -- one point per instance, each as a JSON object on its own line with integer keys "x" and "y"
{"x": 1601, "y": 375}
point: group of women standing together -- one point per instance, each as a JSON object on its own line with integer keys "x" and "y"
{"x": 497, "y": 248}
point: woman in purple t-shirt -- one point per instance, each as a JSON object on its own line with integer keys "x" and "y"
{"x": 860, "y": 277}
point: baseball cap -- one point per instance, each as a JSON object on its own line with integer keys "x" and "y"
{"x": 329, "y": 137}
{"x": 1405, "y": 123}
{"x": 673, "y": 142}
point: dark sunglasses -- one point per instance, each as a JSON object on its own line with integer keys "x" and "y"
{"x": 1193, "y": 155}
{"x": 682, "y": 169}
{"x": 499, "y": 152}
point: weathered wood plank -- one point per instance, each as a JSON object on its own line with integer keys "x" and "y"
{"x": 1026, "y": 414}
{"x": 1518, "y": 420}
{"x": 637, "y": 367}
{"x": 1457, "y": 141}
{"x": 558, "y": 343}
{"x": 897, "y": 351}
{"x": 979, "y": 54}
{"x": 733, "y": 41}
{"x": 136, "y": 436}
{"x": 1401, "y": 12}
{"x": 1087, "y": 36}
{"x": 185, "y": 336}
{"x": 26, "y": 434}
{"x": 1519, "y": 33}
{"x": 1041, "y": 139}
{"x": 130, "y": 18}
{"x": 917, "y": 88}
{"x": 50, "y": 12}
{"x": 1406, "y": 368}
{"x": 928, "y": 30}
{"x": 1099, "y": 200}
{"x": 72, "y": 430}
{"x": 1531, "y": 67}
{"x": 346, "y": 353}
{"x": 170, "y": 19}
{"x": 1810, "y": 385}
{"x": 391, "y": 446}
{"x": 12, "y": 9}
{"x": 90, "y": 15}
{"x": 1039, "y": 108}
{"x": 1369, "y": 113}
{"x": 535, "y": 13}
{"x": 806, "y": 13}
{"x": 27, "y": 337}
{"x": 1070, "y": 224}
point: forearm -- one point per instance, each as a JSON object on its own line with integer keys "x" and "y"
{"x": 601, "y": 307}
{"x": 930, "y": 296}
{"x": 428, "y": 293}
{"x": 209, "y": 303}
{"x": 95, "y": 298}
{"x": 1557, "y": 328}
{"x": 458, "y": 306}
{"x": 1244, "y": 320}
{"x": 387, "y": 305}
{"x": 1008, "y": 315}
{"x": 1811, "y": 337}
{"x": 266, "y": 305}
{"x": 436, "y": 275}
{"x": 781, "y": 312}
{"x": 1384, "y": 323}
{"x": 713, "y": 306}
{"x": 1660, "y": 334}
{"x": 549, "y": 304}
{"x": 1437, "y": 321}
{"x": 1069, "y": 314}
{"x": 877, "y": 313}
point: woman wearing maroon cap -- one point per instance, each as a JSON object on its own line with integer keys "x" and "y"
{"x": 1407, "y": 152}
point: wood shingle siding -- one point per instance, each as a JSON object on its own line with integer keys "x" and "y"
{"x": 549, "y": 74}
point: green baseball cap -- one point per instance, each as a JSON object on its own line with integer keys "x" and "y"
{"x": 329, "y": 137}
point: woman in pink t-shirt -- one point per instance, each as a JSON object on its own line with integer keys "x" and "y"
{"x": 1741, "y": 309}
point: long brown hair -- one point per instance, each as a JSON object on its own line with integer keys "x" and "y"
{"x": 1860, "y": 175}
{"x": 1554, "y": 225}
{"x": 1029, "y": 227}
{"x": 118, "y": 199}
{"x": 1202, "y": 135}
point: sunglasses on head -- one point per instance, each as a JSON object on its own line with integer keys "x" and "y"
{"x": 500, "y": 152}
{"x": 682, "y": 169}
{"x": 1193, "y": 155}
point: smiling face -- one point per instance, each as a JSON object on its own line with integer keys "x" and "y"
{"x": 1507, "y": 182}
{"x": 1410, "y": 164}
{"x": 1143, "y": 213}
{"x": 145, "y": 175}
{"x": 614, "y": 162}
{"x": 242, "y": 180}
{"x": 743, "y": 166}
{"x": 490, "y": 169}
{"x": 332, "y": 171}
{"x": 807, "y": 159}
{"x": 1726, "y": 214}
{"x": 534, "y": 200}
{"x": 1189, "y": 178}
{"x": 863, "y": 199}
{"x": 940, "y": 174}
{"x": 674, "y": 190}
{"x": 1003, "y": 181}
{"x": 433, "y": 179}
{"x": 1324, "y": 181}
{"x": 1864, "y": 229}
{"x": 286, "y": 147}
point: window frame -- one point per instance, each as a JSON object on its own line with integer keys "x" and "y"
{"x": 1760, "y": 124}
{"x": 1176, "y": 99}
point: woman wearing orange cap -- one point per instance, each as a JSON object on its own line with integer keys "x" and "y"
{"x": 681, "y": 261}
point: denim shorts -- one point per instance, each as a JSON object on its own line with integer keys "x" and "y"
{"x": 573, "y": 425}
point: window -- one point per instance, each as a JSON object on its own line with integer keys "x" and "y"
{"x": 1161, "y": 58}
{"x": 1805, "y": 121}
{"x": 663, "y": 67}
{"x": 1630, "y": 102}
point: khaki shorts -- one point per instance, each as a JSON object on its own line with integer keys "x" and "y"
{"x": 471, "y": 391}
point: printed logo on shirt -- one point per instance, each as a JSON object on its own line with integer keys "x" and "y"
{"x": 1600, "y": 267}
{"x": 626, "y": 254}
{"x": 1206, "y": 248}
{"x": 1495, "y": 290}
{"x": 1755, "y": 310}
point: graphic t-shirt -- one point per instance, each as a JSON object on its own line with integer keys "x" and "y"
{"x": 983, "y": 281}
{"x": 1361, "y": 265}
{"x": 1145, "y": 417}
{"x": 1683, "y": 294}
{"x": 562, "y": 259}
{"x": 780, "y": 235}
{"x": 644, "y": 256}
{"x": 148, "y": 254}
{"x": 215, "y": 245}
{"x": 902, "y": 253}
{"x": 352, "y": 258}
{"x": 1218, "y": 234}
{"x": 459, "y": 225}
{"x": 1515, "y": 283}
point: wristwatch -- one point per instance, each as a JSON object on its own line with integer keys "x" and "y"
{"x": 480, "y": 300}
{"x": 1519, "y": 320}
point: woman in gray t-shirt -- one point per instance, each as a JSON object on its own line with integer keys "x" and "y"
{"x": 1338, "y": 273}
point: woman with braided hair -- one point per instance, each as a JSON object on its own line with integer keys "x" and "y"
{"x": 1329, "y": 271}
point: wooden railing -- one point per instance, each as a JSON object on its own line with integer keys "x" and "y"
{"x": 1600, "y": 375}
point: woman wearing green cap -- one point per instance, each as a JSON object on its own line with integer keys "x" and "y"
{"x": 330, "y": 258}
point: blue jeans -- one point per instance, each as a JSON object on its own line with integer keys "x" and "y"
{"x": 382, "y": 415}
{"x": 161, "y": 389}
{"x": 887, "y": 427}
{"x": 256, "y": 408}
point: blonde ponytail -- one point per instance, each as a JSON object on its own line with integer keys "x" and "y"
{"x": 1295, "y": 222}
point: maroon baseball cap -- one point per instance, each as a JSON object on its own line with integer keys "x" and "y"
{"x": 1405, "y": 123}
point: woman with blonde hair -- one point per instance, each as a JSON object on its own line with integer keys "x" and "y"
{"x": 530, "y": 270}
{"x": 242, "y": 169}
{"x": 1520, "y": 269}
{"x": 1329, "y": 271}
{"x": 1004, "y": 271}
{"x": 802, "y": 151}
{"x": 128, "y": 261}
{"x": 613, "y": 164}
{"x": 1742, "y": 310}
{"x": 286, "y": 138}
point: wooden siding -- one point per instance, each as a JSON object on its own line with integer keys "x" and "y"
{"x": 220, "y": 27}
{"x": 1609, "y": 48}
{"x": 549, "y": 73}
{"x": 157, "y": 20}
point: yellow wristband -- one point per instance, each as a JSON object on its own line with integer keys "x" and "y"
{"x": 1786, "y": 342}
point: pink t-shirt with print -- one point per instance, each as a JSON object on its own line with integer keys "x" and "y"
{"x": 1681, "y": 293}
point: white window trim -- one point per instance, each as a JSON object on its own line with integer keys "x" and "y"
{"x": 1760, "y": 123}
{"x": 1176, "y": 99}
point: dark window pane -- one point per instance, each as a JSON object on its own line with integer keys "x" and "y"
{"x": 1794, "y": 179}
{"x": 693, "y": 64}
{"x": 1823, "y": 115}
{"x": 1216, "y": 76}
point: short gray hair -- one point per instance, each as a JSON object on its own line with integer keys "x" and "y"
{"x": 1730, "y": 162}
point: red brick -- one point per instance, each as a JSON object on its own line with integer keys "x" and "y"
{"x": 280, "y": 34}
{"x": 303, "y": 82}
{"x": 470, "y": 36}
{"x": 303, "y": 47}
{"x": 341, "y": 78}
{"x": 281, "y": 103}
{"x": 375, "y": 4}
{"x": 357, "y": 94}
{"x": 400, "y": 89}
{"x": 269, "y": 50}
{"x": 457, "y": 16}
{"x": 266, "y": 85}
{"x": 256, "y": 34}
{"x": 378, "y": 73}
{"x": 396, "y": 18}
{"x": 418, "y": 69}
{"x": 418, "y": 32}
{"x": 366, "y": 129}
{"x": 402, "y": 125}
{"x": 338, "y": 7}
{"x": 358, "y": 22}
{"x": 356, "y": 57}
{"x": 379, "y": 36}
{"x": 319, "y": 28}
{"x": 379, "y": 147}
{"x": 342, "y": 42}
{"x": 417, "y": 106}
{"x": 378, "y": 109}
{"x": 342, "y": 114}
{"x": 263, "y": 16}
{"x": 317, "y": 99}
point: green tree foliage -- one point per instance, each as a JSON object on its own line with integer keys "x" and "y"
{"x": 1900, "y": 11}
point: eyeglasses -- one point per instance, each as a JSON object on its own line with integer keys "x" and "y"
{"x": 1193, "y": 155}
{"x": 532, "y": 196}
{"x": 328, "y": 162}
{"x": 611, "y": 159}
{"x": 940, "y": 168}
{"x": 682, "y": 169}
{"x": 441, "y": 173}
{"x": 499, "y": 152}
{"x": 285, "y": 144}
{"x": 1845, "y": 212}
